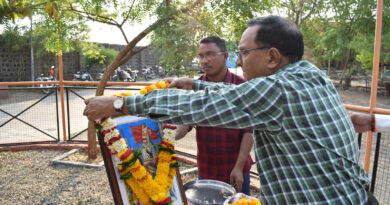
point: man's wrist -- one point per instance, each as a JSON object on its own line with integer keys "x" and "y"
{"x": 133, "y": 105}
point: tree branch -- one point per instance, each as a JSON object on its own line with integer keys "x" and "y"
{"x": 308, "y": 14}
{"x": 132, "y": 53}
{"x": 94, "y": 17}
{"x": 128, "y": 14}
{"x": 124, "y": 52}
{"x": 123, "y": 33}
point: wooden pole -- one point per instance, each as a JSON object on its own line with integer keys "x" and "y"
{"x": 92, "y": 144}
{"x": 374, "y": 83}
{"x": 61, "y": 76}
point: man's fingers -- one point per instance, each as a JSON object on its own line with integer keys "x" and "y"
{"x": 172, "y": 84}
{"x": 232, "y": 181}
{"x": 86, "y": 101}
{"x": 238, "y": 187}
{"x": 169, "y": 80}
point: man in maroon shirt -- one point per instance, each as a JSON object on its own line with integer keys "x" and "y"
{"x": 223, "y": 154}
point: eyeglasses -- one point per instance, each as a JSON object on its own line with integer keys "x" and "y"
{"x": 210, "y": 55}
{"x": 240, "y": 53}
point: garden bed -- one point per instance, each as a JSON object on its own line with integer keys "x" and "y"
{"x": 28, "y": 178}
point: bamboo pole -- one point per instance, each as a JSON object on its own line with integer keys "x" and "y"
{"x": 374, "y": 83}
{"x": 61, "y": 76}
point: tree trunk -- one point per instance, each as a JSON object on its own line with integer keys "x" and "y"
{"x": 345, "y": 66}
{"x": 347, "y": 83}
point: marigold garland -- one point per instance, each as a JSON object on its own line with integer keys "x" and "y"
{"x": 124, "y": 94}
{"x": 244, "y": 201}
{"x": 158, "y": 85}
{"x": 146, "y": 189}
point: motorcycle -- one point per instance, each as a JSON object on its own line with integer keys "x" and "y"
{"x": 100, "y": 75}
{"x": 125, "y": 75}
{"x": 82, "y": 76}
{"x": 160, "y": 71}
{"x": 45, "y": 88}
{"x": 148, "y": 73}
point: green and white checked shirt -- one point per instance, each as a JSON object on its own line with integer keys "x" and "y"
{"x": 305, "y": 144}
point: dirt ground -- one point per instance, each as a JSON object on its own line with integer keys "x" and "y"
{"x": 358, "y": 96}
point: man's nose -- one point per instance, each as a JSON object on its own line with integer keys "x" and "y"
{"x": 238, "y": 62}
{"x": 204, "y": 59}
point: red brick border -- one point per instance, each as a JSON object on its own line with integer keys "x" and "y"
{"x": 58, "y": 146}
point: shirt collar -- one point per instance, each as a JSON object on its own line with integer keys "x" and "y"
{"x": 291, "y": 66}
{"x": 228, "y": 77}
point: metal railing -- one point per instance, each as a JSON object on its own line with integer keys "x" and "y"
{"x": 28, "y": 117}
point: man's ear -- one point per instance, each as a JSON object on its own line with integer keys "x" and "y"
{"x": 226, "y": 55}
{"x": 274, "y": 58}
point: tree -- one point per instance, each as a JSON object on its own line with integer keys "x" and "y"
{"x": 179, "y": 39}
{"x": 54, "y": 30}
{"x": 95, "y": 54}
{"x": 300, "y": 10}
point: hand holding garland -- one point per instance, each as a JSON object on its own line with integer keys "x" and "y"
{"x": 102, "y": 106}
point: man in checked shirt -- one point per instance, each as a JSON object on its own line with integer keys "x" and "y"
{"x": 305, "y": 143}
{"x": 222, "y": 153}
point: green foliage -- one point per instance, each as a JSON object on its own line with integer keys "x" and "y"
{"x": 55, "y": 29}
{"x": 12, "y": 10}
{"x": 178, "y": 40}
{"x": 95, "y": 54}
{"x": 346, "y": 36}
{"x": 14, "y": 37}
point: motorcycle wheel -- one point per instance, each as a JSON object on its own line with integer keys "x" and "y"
{"x": 44, "y": 88}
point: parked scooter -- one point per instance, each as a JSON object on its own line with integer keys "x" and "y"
{"x": 122, "y": 74}
{"x": 126, "y": 74}
{"x": 161, "y": 71}
{"x": 82, "y": 76}
{"x": 100, "y": 75}
{"x": 42, "y": 77}
{"x": 148, "y": 73}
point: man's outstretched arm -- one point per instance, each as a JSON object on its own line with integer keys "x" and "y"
{"x": 236, "y": 176}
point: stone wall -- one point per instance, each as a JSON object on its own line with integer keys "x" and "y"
{"x": 16, "y": 65}
{"x": 147, "y": 57}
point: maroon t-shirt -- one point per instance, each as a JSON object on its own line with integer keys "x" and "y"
{"x": 218, "y": 148}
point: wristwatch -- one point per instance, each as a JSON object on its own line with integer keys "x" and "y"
{"x": 118, "y": 103}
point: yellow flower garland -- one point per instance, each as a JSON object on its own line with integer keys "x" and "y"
{"x": 244, "y": 201}
{"x": 146, "y": 189}
{"x": 158, "y": 85}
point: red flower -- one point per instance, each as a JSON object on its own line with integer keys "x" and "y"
{"x": 165, "y": 201}
{"x": 126, "y": 154}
